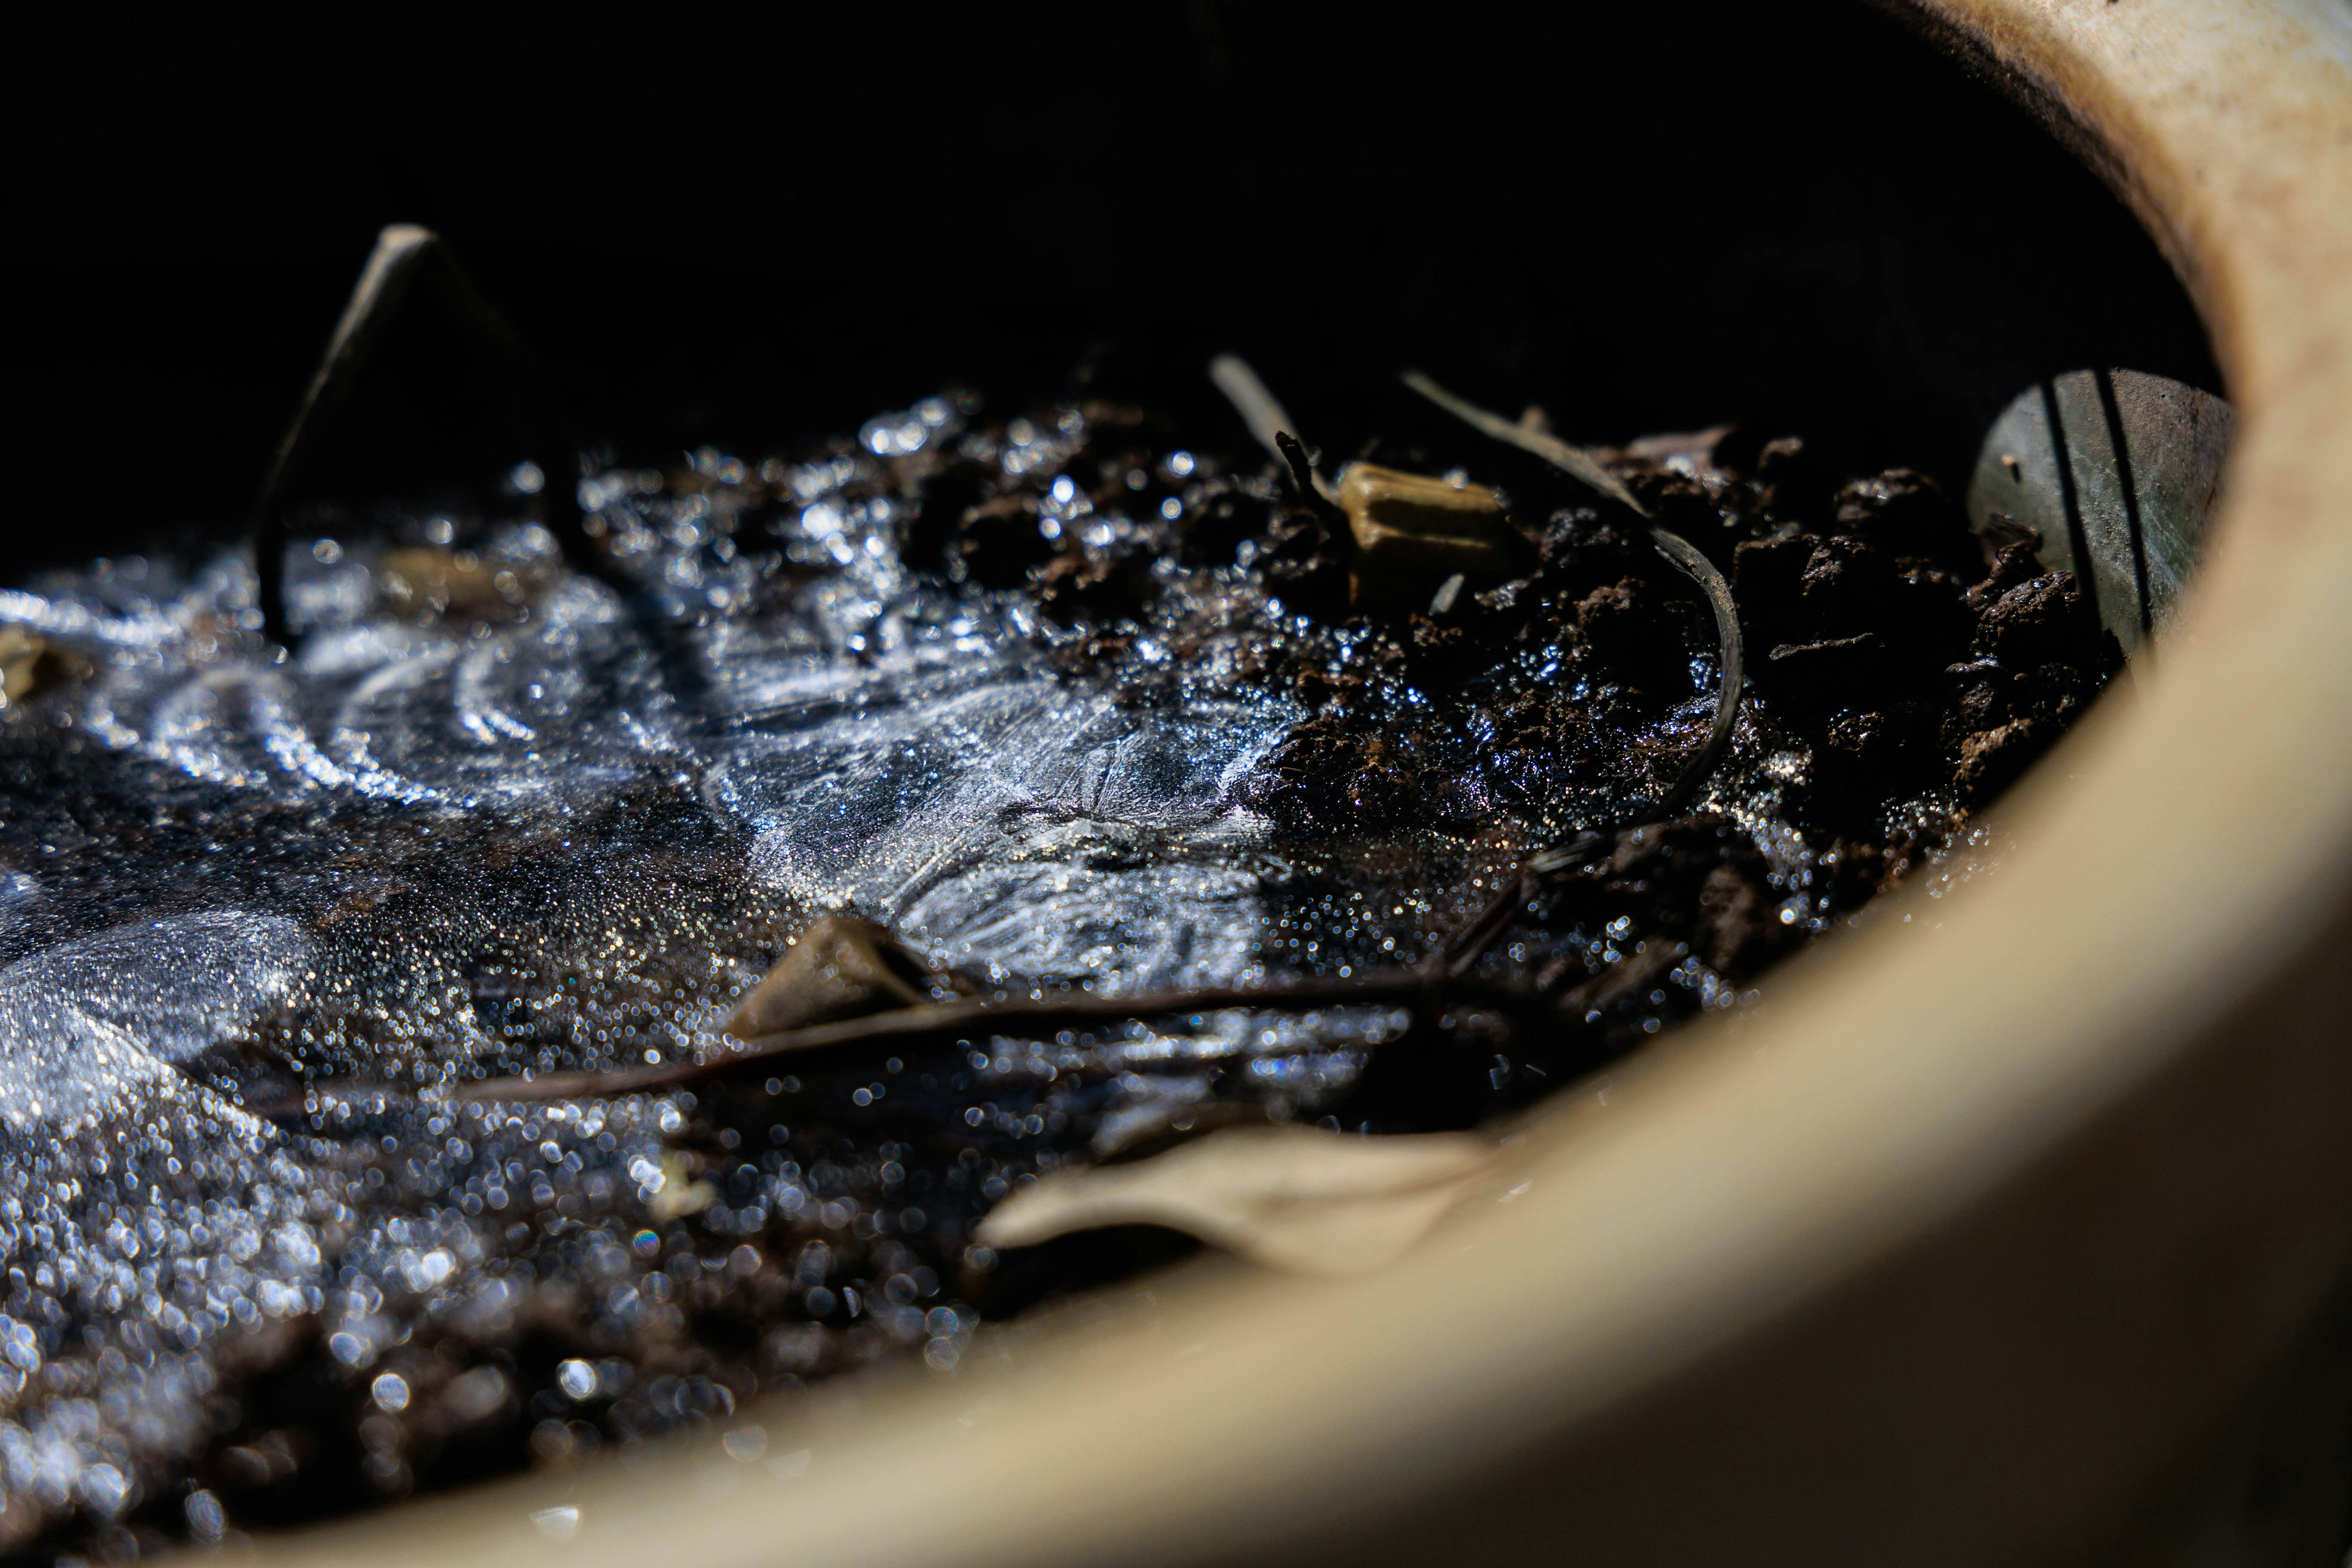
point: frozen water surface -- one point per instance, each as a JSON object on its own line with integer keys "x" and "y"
{"x": 551, "y": 828}
{"x": 261, "y": 914}
{"x": 1023, "y": 828}
{"x": 89, "y": 1026}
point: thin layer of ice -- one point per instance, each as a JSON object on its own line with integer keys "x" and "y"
{"x": 564, "y": 833}
{"x": 559, "y": 710}
{"x": 1023, "y": 828}
{"x": 87, "y": 1025}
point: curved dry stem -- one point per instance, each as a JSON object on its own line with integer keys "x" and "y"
{"x": 1475, "y": 938}
{"x": 1731, "y": 650}
{"x": 1574, "y": 461}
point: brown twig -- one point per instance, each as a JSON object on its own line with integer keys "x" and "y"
{"x": 848, "y": 1041}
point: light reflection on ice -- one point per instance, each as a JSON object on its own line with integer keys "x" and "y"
{"x": 1023, "y": 828}
{"x": 866, "y": 736}
{"x": 86, "y": 1024}
{"x": 555, "y": 708}
{"x": 889, "y": 739}
{"x": 892, "y": 742}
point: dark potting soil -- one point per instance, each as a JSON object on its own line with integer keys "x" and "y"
{"x": 1075, "y": 702}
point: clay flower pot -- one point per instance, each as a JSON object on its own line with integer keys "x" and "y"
{"x": 1954, "y": 1249}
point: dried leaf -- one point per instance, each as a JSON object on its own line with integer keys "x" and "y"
{"x": 1155, "y": 1128}
{"x": 1296, "y": 1198}
{"x": 21, "y": 655}
{"x": 842, "y": 967}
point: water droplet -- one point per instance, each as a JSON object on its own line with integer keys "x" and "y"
{"x": 577, "y": 1379}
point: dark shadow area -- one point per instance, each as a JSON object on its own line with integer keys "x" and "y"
{"x": 745, "y": 231}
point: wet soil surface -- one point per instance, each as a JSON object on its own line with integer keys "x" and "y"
{"x": 1075, "y": 699}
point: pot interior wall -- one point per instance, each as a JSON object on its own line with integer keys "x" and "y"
{"x": 1643, "y": 218}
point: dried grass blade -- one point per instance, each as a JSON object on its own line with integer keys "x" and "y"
{"x": 1463, "y": 951}
{"x": 1269, "y": 422}
{"x": 1573, "y": 461}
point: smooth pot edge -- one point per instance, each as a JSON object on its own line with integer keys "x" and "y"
{"x": 2116, "y": 1018}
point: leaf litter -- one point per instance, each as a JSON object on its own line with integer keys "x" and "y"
{"x": 1297, "y": 1198}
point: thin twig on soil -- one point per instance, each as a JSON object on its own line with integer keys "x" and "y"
{"x": 1573, "y": 461}
{"x": 847, "y": 1041}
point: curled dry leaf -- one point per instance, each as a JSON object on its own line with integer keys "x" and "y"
{"x": 1155, "y": 1129}
{"x": 842, "y": 967}
{"x": 21, "y": 656}
{"x": 1296, "y": 1198}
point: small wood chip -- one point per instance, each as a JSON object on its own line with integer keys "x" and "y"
{"x": 458, "y": 584}
{"x": 1294, "y": 1198}
{"x": 842, "y": 967}
{"x": 1418, "y": 522}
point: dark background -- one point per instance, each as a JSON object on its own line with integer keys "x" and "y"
{"x": 1643, "y": 216}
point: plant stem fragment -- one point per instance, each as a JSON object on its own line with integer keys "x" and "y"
{"x": 857, "y": 1038}
{"x": 1578, "y": 464}
{"x": 409, "y": 260}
